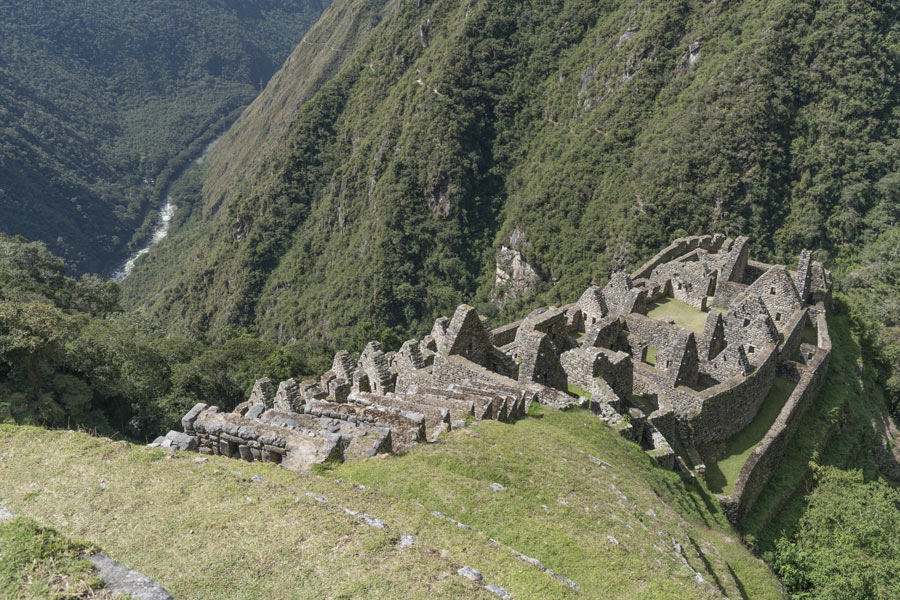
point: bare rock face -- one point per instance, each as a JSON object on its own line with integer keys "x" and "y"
{"x": 514, "y": 276}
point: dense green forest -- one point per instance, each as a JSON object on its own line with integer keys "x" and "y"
{"x": 101, "y": 103}
{"x": 584, "y": 134}
{"x": 69, "y": 355}
{"x": 847, "y": 544}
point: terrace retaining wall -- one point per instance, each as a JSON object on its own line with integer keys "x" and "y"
{"x": 766, "y": 457}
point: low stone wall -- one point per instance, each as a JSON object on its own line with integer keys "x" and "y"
{"x": 766, "y": 457}
{"x": 824, "y": 337}
{"x": 681, "y": 246}
{"x": 506, "y": 334}
{"x": 234, "y": 436}
{"x": 407, "y": 427}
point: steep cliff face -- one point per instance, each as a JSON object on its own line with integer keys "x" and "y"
{"x": 380, "y": 176}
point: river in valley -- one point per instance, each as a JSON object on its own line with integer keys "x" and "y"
{"x": 161, "y": 229}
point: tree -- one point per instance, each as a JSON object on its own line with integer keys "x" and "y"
{"x": 847, "y": 545}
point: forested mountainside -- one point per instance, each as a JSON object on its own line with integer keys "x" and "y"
{"x": 70, "y": 357}
{"x": 583, "y": 135}
{"x": 101, "y": 102}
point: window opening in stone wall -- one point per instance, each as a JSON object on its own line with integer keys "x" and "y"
{"x": 746, "y": 322}
{"x": 772, "y": 290}
{"x": 777, "y": 316}
{"x": 751, "y": 349}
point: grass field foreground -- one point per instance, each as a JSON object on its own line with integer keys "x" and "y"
{"x": 576, "y": 497}
{"x": 37, "y": 563}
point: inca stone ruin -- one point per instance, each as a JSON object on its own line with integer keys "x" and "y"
{"x": 679, "y": 389}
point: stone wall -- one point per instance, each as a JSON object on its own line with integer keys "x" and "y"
{"x": 718, "y": 412}
{"x": 676, "y": 348}
{"x": 726, "y": 292}
{"x": 539, "y": 360}
{"x": 584, "y": 365}
{"x": 766, "y": 457}
{"x": 374, "y": 363}
{"x": 603, "y": 333}
{"x": 754, "y": 270}
{"x": 732, "y": 405}
{"x": 506, "y": 334}
{"x": 803, "y": 276}
{"x": 730, "y": 362}
{"x": 712, "y": 340}
{"x": 749, "y": 324}
{"x": 735, "y": 263}
{"x": 449, "y": 370}
{"x": 793, "y": 335}
{"x": 777, "y": 291}
{"x": 681, "y": 246}
{"x": 234, "y": 436}
{"x": 691, "y": 280}
{"x": 593, "y": 305}
{"x": 467, "y": 335}
{"x": 411, "y": 378}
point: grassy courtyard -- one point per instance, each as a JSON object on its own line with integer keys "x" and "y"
{"x": 684, "y": 315}
{"x": 721, "y": 476}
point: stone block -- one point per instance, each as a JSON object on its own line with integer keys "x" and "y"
{"x": 187, "y": 421}
{"x": 246, "y": 453}
{"x": 182, "y": 441}
{"x": 226, "y": 448}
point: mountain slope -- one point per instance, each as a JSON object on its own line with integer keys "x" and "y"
{"x": 581, "y": 134}
{"x": 100, "y": 103}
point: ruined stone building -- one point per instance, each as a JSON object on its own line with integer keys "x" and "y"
{"x": 680, "y": 391}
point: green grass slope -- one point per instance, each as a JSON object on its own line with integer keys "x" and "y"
{"x": 586, "y": 504}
